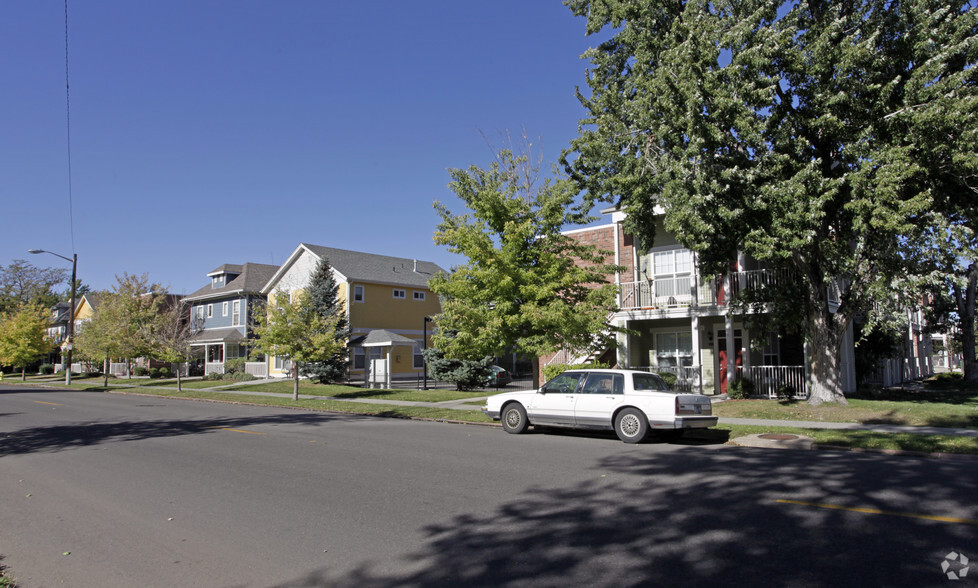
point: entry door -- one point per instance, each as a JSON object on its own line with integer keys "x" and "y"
{"x": 721, "y": 353}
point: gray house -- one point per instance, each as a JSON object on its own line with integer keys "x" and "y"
{"x": 221, "y": 310}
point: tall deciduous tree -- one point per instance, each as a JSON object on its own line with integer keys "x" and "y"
{"x": 22, "y": 338}
{"x": 293, "y": 329}
{"x": 23, "y": 283}
{"x": 525, "y": 287}
{"x": 96, "y": 339}
{"x": 323, "y": 299}
{"x": 171, "y": 336}
{"x": 771, "y": 127}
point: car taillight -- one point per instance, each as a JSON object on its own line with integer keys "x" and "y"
{"x": 691, "y": 406}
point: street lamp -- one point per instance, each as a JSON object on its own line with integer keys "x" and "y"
{"x": 69, "y": 341}
{"x": 424, "y": 345}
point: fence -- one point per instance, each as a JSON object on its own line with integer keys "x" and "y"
{"x": 259, "y": 369}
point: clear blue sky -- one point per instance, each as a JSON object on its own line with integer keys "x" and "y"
{"x": 211, "y": 132}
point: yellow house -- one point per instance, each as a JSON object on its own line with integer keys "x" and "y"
{"x": 379, "y": 293}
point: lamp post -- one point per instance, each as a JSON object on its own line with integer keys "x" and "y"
{"x": 69, "y": 340}
{"x": 424, "y": 346}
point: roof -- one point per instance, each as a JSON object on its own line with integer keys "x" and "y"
{"x": 227, "y": 335}
{"x": 384, "y": 338}
{"x": 356, "y": 266}
{"x": 253, "y": 277}
{"x": 227, "y": 268}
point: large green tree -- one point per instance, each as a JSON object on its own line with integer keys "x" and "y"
{"x": 96, "y": 338}
{"x": 22, "y": 339}
{"x": 771, "y": 128}
{"x": 323, "y": 298}
{"x": 291, "y": 328}
{"x": 525, "y": 286}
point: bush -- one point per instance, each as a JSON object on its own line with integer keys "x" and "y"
{"x": 553, "y": 370}
{"x": 46, "y": 369}
{"x": 786, "y": 392}
{"x": 235, "y": 366}
{"x": 140, "y": 371}
{"x": 165, "y": 372}
{"x": 238, "y": 377}
{"x": 154, "y": 373}
{"x": 465, "y": 374}
{"x": 740, "y": 389}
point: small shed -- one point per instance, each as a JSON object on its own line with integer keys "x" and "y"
{"x": 379, "y": 373}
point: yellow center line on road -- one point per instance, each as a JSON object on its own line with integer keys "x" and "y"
{"x": 238, "y": 430}
{"x": 51, "y": 403}
{"x": 883, "y": 512}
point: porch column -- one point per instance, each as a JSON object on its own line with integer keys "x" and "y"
{"x": 623, "y": 352}
{"x": 731, "y": 351}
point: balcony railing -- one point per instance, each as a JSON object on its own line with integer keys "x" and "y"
{"x": 683, "y": 291}
{"x": 776, "y": 381}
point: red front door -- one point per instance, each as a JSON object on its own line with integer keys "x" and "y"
{"x": 722, "y": 356}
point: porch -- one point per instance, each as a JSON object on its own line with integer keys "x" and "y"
{"x": 692, "y": 290}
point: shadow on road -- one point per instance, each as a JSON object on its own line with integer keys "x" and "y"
{"x": 61, "y": 437}
{"x": 701, "y": 518}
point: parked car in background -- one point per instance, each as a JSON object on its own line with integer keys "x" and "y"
{"x": 498, "y": 378}
{"x": 631, "y": 403}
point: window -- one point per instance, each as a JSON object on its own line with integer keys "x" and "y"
{"x": 418, "y": 358}
{"x": 419, "y": 296}
{"x": 565, "y": 383}
{"x": 236, "y": 314}
{"x": 210, "y": 310}
{"x": 215, "y": 354}
{"x": 358, "y": 293}
{"x": 200, "y": 312}
{"x": 359, "y": 358}
{"x": 400, "y": 294}
{"x": 672, "y": 271}
{"x": 283, "y": 364}
{"x": 605, "y": 384}
{"x": 224, "y": 309}
{"x": 674, "y": 349}
{"x": 771, "y": 348}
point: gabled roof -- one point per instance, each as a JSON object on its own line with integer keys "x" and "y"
{"x": 356, "y": 266}
{"x": 253, "y": 276}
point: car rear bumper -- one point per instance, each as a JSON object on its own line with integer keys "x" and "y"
{"x": 686, "y": 422}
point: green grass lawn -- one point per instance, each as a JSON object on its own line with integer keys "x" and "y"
{"x": 940, "y": 402}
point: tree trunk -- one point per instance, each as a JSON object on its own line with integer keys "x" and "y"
{"x": 295, "y": 381}
{"x": 105, "y": 373}
{"x": 825, "y": 377}
{"x": 23, "y": 374}
{"x": 966, "y": 313}
{"x": 179, "y": 382}
{"x": 535, "y": 378}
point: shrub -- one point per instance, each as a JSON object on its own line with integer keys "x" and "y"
{"x": 238, "y": 377}
{"x": 165, "y": 372}
{"x": 553, "y": 370}
{"x": 786, "y": 392}
{"x": 740, "y": 389}
{"x": 235, "y": 366}
{"x": 465, "y": 374}
{"x": 46, "y": 369}
{"x": 140, "y": 371}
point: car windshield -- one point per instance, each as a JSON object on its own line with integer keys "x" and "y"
{"x": 649, "y": 382}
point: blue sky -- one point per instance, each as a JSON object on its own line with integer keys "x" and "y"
{"x": 211, "y": 132}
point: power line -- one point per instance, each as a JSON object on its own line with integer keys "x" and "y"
{"x": 71, "y": 212}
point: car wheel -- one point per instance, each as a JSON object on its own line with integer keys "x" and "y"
{"x": 514, "y": 418}
{"x": 631, "y": 426}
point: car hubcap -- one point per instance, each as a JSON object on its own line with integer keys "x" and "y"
{"x": 513, "y": 418}
{"x": 629, "y": 425}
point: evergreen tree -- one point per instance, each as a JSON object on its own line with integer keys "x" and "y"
{"x": 322, "y": 298}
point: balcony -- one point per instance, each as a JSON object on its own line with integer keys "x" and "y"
{"x": 683, "y": 291}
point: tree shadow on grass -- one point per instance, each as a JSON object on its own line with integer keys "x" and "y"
{"x": 701, "y": 518}
{"x": 71, "y": 436}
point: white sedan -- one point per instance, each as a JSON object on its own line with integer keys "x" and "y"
{"x": 632, "y": 403}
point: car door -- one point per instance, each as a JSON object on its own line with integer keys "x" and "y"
{"x": 600, "y": 395}
{"x": 553, "y": 404}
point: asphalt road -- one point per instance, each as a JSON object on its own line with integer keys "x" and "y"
{"x": 109, "y": 490}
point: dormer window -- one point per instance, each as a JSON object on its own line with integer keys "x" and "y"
{"x": 217, "y": 281}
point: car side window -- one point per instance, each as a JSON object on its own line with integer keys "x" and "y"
{"x": 604, "y": 384}
{"x": 565, "y": 383}
{"x": 649, "y": 382}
